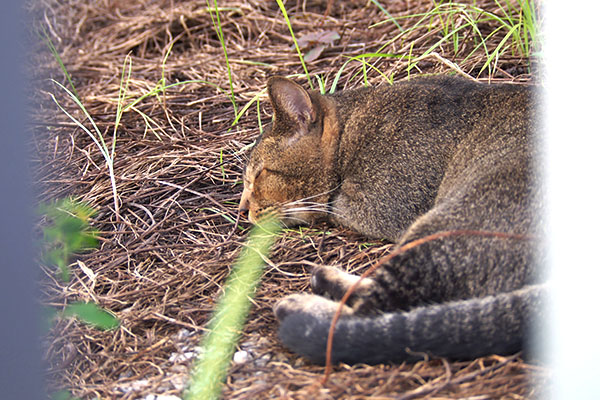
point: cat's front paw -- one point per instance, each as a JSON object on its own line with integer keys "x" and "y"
{"x": 308, "y": 304}
{"x": 334, "y": 283}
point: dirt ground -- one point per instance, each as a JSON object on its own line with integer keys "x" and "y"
{"x": 178, "y": 163}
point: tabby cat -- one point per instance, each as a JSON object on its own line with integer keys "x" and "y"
{"x": 401, "y": 162}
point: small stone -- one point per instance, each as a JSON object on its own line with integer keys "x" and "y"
{"x": 167, "y": 397}
{"x": 241, "y": 357}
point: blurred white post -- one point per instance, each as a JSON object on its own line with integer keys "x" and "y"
{"x": 572, "y": 121}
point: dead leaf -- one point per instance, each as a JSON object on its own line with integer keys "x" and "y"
{"x": 316, "y": 42}
{"x": 314, "y": 53}
{"x": 316, "y": 38}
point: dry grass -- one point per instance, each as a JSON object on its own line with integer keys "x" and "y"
{"x": 160, "y": 267}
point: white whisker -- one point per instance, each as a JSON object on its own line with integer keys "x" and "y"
{"x": 303, "y": 200}
{"x": 313, "y": 205}
{"x": 324, "y": 209}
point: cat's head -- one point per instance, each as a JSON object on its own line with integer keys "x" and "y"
{"x": 290, "y": 170}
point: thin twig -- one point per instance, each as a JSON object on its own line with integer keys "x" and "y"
{"x": 430, "y": 389}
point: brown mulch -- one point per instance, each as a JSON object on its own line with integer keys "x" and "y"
{"x": 163, "y": 258}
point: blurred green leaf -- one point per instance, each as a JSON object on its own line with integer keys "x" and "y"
{"x": 68, "y": 232}
{"x": 63, "y": 395}
{"x": 48, "y": 316}
{"x": 92, "y": 314}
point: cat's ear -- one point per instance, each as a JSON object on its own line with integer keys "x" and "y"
{"x": 291, "y": 102}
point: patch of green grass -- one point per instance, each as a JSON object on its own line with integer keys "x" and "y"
{"x": 516, "y": 25}
{"x": 363, "y": 58}
{"x": 524, "y": 20}
{"x": 517, "y": 28}
{"x": 232, "y": 309}
{"x": 95, "y": 134}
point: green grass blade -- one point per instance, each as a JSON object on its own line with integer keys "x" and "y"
{"x": 247, "y": 106}
{"x": 123, "y": 88}
{"x": 321, "y": 83}
{"x": 216, "y": 20}
{"x": 148, "y": 121}
{"x": 260, "y": 127}
{"x": 58, "y": 59}
{"x": 289, "y": 24}
{"x": 337, "y": 77}
{"x": 97, "y": 137}
{"x": 387, "y": 14}
{"x": 163, "y": 78}
{"x": 511, "y": 10}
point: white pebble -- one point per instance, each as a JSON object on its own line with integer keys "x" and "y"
{"x": 241, "y": 357}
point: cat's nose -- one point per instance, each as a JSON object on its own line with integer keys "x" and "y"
{"x": 243, "y": 207}
{"x": 244, "y": 201}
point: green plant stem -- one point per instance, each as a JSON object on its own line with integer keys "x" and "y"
{"x": 231, "y": 312}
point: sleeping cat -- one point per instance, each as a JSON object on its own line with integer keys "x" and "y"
{"x": 402, "y": 162}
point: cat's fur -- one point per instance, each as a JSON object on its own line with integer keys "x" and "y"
{"x": 402, "y": 162}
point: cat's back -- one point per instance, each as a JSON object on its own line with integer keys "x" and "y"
{"x": 399, "y": 142}
{"x": 433, "y": 99}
